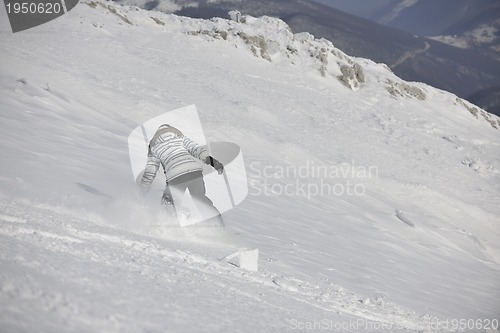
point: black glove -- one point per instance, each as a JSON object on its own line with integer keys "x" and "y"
{"x": 215, "y": 164}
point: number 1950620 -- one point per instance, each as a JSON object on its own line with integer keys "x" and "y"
{"x": 33, "y": 8}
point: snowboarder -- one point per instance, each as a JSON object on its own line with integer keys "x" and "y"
{"x": 177, "y": 154}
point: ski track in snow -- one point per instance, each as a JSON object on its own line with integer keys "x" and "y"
{"x": 72, "y": 248}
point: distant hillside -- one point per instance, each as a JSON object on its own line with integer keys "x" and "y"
{"x": 461, "y": 23}
{"x": 465, "y": 24}
{"x": 421, "y": 17}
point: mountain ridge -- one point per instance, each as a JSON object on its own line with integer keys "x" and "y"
{"x": 460, "y": 71}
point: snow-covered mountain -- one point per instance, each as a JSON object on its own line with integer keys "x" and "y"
{"x": 461, "y": 71}
{"x": 464, "y": 24}
{"x": 342, "y": 158}
{"x": 479, "y": 31}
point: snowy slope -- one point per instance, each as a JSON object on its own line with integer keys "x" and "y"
{"x": 78, "y": 249}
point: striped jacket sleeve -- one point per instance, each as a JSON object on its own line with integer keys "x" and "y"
{"x": 150, "y": 171}
{"x": 200, "y": 152}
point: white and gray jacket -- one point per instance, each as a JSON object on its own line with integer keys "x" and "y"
{"x": 176, "y": 153}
